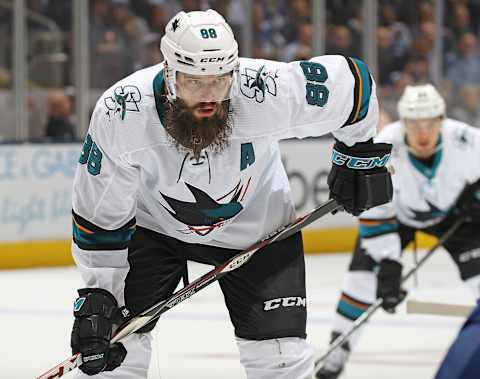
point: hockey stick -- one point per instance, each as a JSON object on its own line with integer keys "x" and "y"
{"x": 340, "y": 340}
{"x": 233, "y": 263}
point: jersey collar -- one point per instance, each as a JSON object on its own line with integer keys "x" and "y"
{"x": 428, "y": 172}
{"x": 158, "y": 84}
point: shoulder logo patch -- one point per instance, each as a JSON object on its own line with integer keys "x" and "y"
{"x": 255, "y": 84}
{"x": 124, "y": 99}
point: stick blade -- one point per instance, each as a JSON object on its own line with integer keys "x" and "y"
{"x": 438, "y": 309}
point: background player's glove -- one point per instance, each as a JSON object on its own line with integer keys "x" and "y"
{"x": 95, "y": 311}
{"x": 359, "y": 179}
{"x": 468, "y": 202}
{"x": 388, "y": 285}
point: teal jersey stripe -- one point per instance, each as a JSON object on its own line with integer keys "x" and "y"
{"x": 374, "y": 230}
{"x": 366, "y": 87}
{"x": 348, "y": 310}
{"x": 98, "y": 240}
{"x": 158, "y": 83}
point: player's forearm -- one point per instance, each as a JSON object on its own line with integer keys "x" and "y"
{"x": 380, "y": 238}
{"x": 103, "y": 269}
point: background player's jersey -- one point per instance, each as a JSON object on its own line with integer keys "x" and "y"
{"x": 423, "y": 196}
{"x": 130, "y": 172}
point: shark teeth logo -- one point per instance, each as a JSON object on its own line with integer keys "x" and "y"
{"x": 205, "y": 214}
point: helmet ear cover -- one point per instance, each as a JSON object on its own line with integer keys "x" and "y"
{"x": 421, "y": 102}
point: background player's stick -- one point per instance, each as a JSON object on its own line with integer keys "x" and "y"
{"x": 233, "y": 263}
{"x": 340, "y": 340}
{"x": 438, "y": 309}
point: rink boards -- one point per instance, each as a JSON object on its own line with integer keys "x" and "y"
{"x": 35, "y": 201}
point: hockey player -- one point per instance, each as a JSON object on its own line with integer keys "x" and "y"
{"x": 431, "y": 190}
{"x": 181, "y": 162}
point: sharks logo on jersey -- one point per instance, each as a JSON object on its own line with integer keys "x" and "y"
{"x": 463, "y": 139}
{"x": 432, "y": 214}
{"x": 206, "y": 214}
{"x": 124, "y": 99}
{"x": 256, "y": 83}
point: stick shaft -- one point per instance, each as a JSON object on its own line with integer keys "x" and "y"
{"x": 233, "y": 263}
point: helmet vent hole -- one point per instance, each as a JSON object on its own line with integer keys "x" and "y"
{"x": 185, "y": 63}
{"x": 178, "y": 55}
{"x": 211, "y": 49}
{"x": 188, "y": 59}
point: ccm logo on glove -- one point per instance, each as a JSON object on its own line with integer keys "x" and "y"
{"x": 357, "y": 163}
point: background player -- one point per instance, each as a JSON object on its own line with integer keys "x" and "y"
{"x": 434, "y": 158}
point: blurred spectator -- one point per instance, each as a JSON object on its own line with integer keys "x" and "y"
{"x": 390, "y": 62}
{"x": 158, "y": 17}
{"x": 298, "y": 12}
{"x": 60, "y": 11}
{"x": 341, "y": 11}
{"x": 418, "y": 68}
{"x": 340, "y": 41}
{"x": 131, "y": 28}
{"x": 59, "y": 127}
{"x": 150, "y": 52}
{"x": 110, "y": 59}
{"x": 463, "y": 74}
{"x": 99, "y": 11}
{"x": 389, "y": 95}
{"x": 269, "y": 22}
{"x": 401, "y": 36}
{"x": 425, "y": 11}
{"x": 468, "y": 109}
{"x": 301, "y": 47}
{"x": 5, "y": 79}
{"x": 463, "y": 66}
{"x": 237, "y": 17}
{"x": 460, "y": 23}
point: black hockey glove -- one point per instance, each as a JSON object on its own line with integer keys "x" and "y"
{"x": 468, "y": 202}
{"x": 359, "y": 179}
{"x": 389, "y": 284}
{"x": 95, "y": 311}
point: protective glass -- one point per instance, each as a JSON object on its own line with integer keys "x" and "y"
{"x": 427, "y": 125}
{"x": 206, "y": 88}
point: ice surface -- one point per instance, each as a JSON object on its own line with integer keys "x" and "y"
{"x": 195, "y": 339}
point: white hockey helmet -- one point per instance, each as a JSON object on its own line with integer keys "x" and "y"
{"x": 421, "y": 102}
{"x": 198, "y": 43}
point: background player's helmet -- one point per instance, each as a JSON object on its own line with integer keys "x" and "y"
{"x": 421, "y": 102}
{"x": 199, "y": 43}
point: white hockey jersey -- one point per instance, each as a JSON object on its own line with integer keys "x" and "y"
{"x": 130, "y": 173}
{"x": 423, "y": 196}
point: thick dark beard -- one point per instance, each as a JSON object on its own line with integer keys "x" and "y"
{"x": 192, "y": 134}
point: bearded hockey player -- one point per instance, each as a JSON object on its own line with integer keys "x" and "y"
{"x": 181, "y": 162}
{"x": 436, "y": 162}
